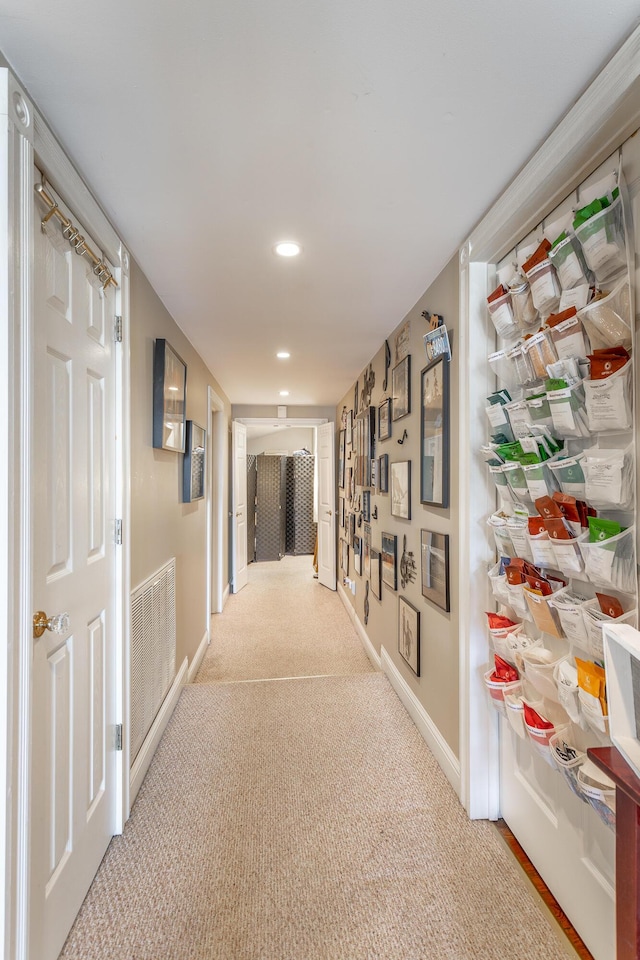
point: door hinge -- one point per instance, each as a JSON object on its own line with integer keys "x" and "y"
{"x": 118, "y": 533}
{"x": 117, "y": 329}
{"x": 118, "y": 736}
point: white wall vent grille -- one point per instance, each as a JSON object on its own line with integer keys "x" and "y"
{"x": 153, "y": 650}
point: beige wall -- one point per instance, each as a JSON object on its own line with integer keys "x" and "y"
{"x": 271, "y": 411}
{"x": 161, "y": 525}
{"x": 294, "y": 438}
{"x": 437, "y": 687}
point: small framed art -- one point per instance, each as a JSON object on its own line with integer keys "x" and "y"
{"x": 390, "y": 560}
{"x": 169, "y": 398}
{"x": 384, "y": 419}
{"x": 434, "y": 433}
{"x": 366, "y": 505}
{"x": 401, "y": 389}
{"x": 344, "y": 557}
{"x": 401, "y": 489}
{"x": 434, "y": 549}
{"x": 349, "y": 427}
{"x": 383, "y": 473}
{"x": 341, "y": 457}
{"x": 376, "y": 574}
{"x": 357, "y": 555}
{"x": 409, "y": 634}
{"x": 366, "y": 549}
{"x": 193, "y": 464}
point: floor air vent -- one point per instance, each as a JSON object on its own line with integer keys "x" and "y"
{"x": 153, "y": 650}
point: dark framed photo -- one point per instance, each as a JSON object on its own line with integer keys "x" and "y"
{"x": 341, "y": 457}
{"x": 193, "y": 474}
{"x": 384, "y": 419}
{"x": 357, "y": 555}
{"x": 365, "y": 434}
{"x": 344, "y": 557}
{"x": 366, "y": 549}
{"x": 409, "y": 634}
{"x": 383, "y": 473}
{"x": 390, "y": 560}
{"x": 434, "y": 550}
{"x": 169, "y": 398}
{"x": 350, "y": 427}
{"x": 366, "y": 505}
{"x": 401, "y": 489}
{"x": 434, "y": 433}
{"x": 352, "y": 527}
{"x": 341, "y": 511}
{"x": 401, "y": 389}
{"x": 376, "y": 573}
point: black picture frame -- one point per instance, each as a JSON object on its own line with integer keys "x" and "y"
{"x": 349, "y": 427}
{"x": 376, "y": 573}
{"x": 357, "y": 555}
{"x": 401, "y": 389}
{"x": 384, "y": 419}
{"x": 383, "y": 473}
{"x": 366, "y": 505}
{"x": 341, "y": 457}
{"x": 389, "y": 553}
{"x": 344, "y": 557}
{"x": 169, "y": 398}
{"x": 434, "y": 433}
{"x": 366, "y": 549}
{"x": 409, "y": 634}
{"x": 434, "y": 553}
{"x": 401, "y": 489}
{"x": 193, "y": 464}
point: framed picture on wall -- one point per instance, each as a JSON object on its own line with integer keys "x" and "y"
{"x": 350, "y": 427}
{"x": 376, "y": 573}
{"x": 434, "y": 550}
{"x": 434, "y": 433}
{"x": 409, "y": 634}
{"x": 389, "y": 560}
{"x": 401, "y": 489}
{"x": 169, "y": 398}
{"x": 357, "y": 555}
{"x": 344, "y": 557}
{"x": 341, "y": 457}
{"x": 384, "y": 419}
{"x": 366, "y": 549}
{"x": 401, "y": 389}
{"x": 383, "y": 473}
{"x": 366, "y": 505}
{"x": 193, "y": 464}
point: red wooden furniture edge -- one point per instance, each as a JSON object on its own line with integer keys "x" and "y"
{"x": 627, "y": 784}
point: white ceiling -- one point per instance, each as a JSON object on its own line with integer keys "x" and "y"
{"x": 375, "y": 133}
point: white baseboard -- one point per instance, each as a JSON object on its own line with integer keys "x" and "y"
{"x": 148, "y": 748}
{"x": 434, "y": 739}
{"x": 194, "y": 666}
{"x": 225, "y": 595}
{"x": 369, "y": 648}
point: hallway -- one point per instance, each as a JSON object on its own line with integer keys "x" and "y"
{"x": 302, "y": 819}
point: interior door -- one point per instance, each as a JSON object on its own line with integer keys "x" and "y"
{"x": 73, "y": 783}
{"x": 239, "y": 452}
{"x": 326, "y": 506}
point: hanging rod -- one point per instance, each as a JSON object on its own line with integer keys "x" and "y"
{"x": 75, "y": 238}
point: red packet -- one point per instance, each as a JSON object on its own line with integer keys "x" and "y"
{"x": 611, "y": 606}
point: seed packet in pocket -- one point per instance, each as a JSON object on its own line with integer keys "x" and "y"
{"x": 559, "y": 529}
{"x": 602, "y": 529}
{"x": 610, "y": 605}
{"x": 606, "y": 362}
{"x": 497, "y": 621}
{"x": 539, "y": 585}
{"x": 536, "y": 526}
{"x": 504, "y": 671}
{"x": 547, "y": 507}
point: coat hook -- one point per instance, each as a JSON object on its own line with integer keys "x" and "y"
{"x": 404, "y": 437}
{"x": 374, "y": 512}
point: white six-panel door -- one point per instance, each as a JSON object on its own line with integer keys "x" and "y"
{"x": 240, "y": 507}
{"x": 73, "y": 749}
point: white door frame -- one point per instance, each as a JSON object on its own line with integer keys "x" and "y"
{"x": 25, "y": 139}
{"x": 606, "y": 114}
{"x": 217, "y": 433}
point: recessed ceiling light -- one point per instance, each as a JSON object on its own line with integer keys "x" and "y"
{"x": 287, "y": 248}
{"x": 284, "y": 393}
{"x": 283, "y": 355}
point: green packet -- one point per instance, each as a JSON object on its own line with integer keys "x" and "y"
{"x": 602, "y": 529}
{"x": 596, "y": 206}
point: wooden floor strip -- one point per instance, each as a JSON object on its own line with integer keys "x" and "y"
{"x": 547, "y": 897}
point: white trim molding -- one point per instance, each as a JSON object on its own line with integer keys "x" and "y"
{"x": 152, "y": 739}
{"x": 439, "y": 747}
{"x": 369, "y": 648}
{"x": 198, "y": 657}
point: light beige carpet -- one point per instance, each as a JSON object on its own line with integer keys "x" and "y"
{"x": 282, "y": 624}
{"x": 305, "y": 820}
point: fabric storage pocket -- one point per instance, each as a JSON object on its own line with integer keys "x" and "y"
{"x": 568, "y": 411}
{"x": 608, "y": 477}
{"x": 501, "y": 314}
{"x": 525, "y": 313}
{"x": 566, "y": 679}
{"x": 567, "y": 553}
{"x": 568, "y": 759}
{"x": 598, "y": 790}
{"x": 498, "y": 583}
{"x": 540, "y": 481}
{"x": 602, "y": 240}
{"x": 568, "y": 606}
{"x": 516, "y": 480}
{"x": 522, "y": 371}
{"x": 514, "y": 709}
{"x": 608, "y": 401}
{"x": 517, "y": 600}
{"x": 503, "y": 368}
{"x": 539, "y": 412}
{"x": 569, "y": 474}
{"x": 541, "y": 550}
{"x": 612, "y": 563}
{"x": 539, "y": 666}
{"x": 501, "y": 536}
{"x": 568, "y": 259}
{"x": 543, "y": 615}
{"x": 545, "y": 288}
{"x": 594, "y": 620}
{"x": 569, "y": 337}
{"x": 497, "y": 690}
{"x": 519, "y": 537}
{"x": 500, "y": 480}
{"x": 515, "y": 643}
{"x": 552, "y": 718}
{"x": 608, "y": 319}
{"x": 541, "y": 352}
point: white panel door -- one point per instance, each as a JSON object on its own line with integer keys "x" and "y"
{"x": 239, "y": 451}
{"x": 73, "y": 751}
{"x": 327, "y": 506}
